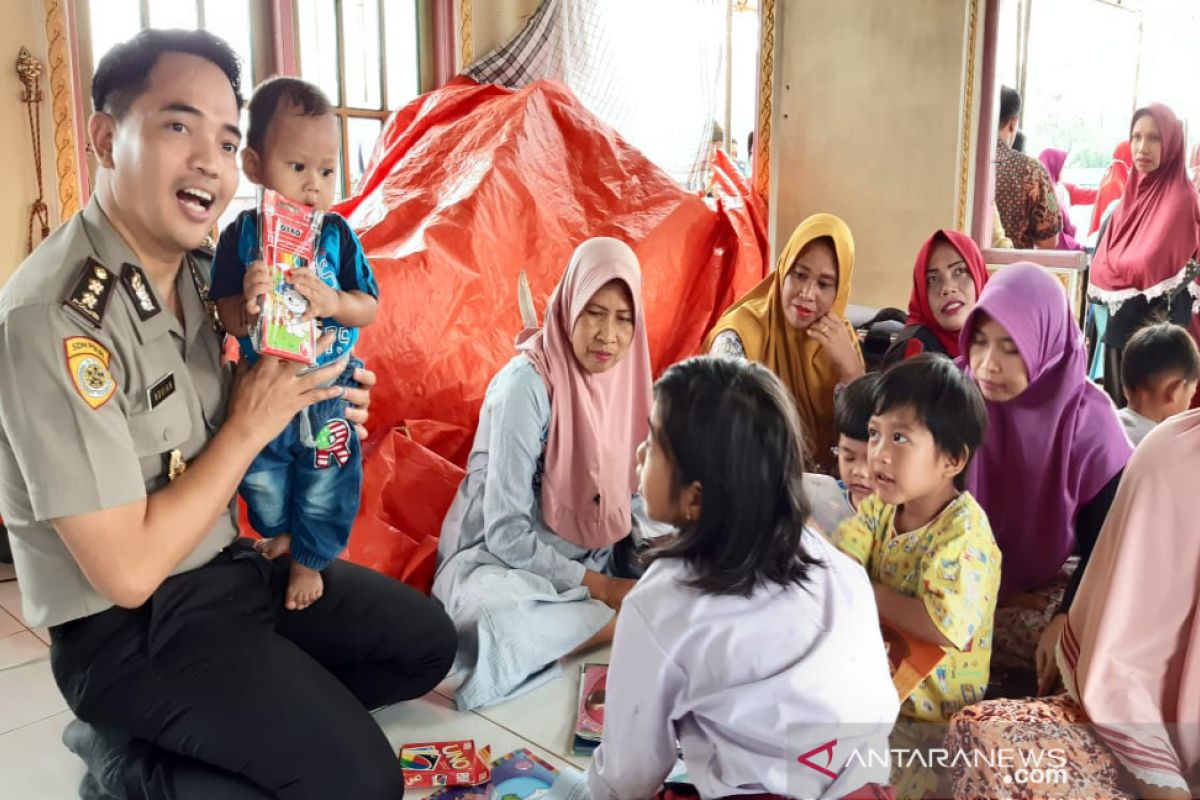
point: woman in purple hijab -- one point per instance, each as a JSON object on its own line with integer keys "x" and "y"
{"x": 1052, "y": 457}
{"x": 1053, "y": 160}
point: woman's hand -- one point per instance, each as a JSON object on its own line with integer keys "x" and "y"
{"x": 835, "y": 337}
{"x": 608, "y": 590}
{"x": 358, "y": 400}
{"x": 1047, "y": 664}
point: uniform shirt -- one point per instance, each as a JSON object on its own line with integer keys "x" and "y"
{"x": 94, "y": 401}
{"x": 953, "y": 565}
{"x": 1025, "y": 198}
{"x": 339, "y": 261}
{"x": 747, "y": 685}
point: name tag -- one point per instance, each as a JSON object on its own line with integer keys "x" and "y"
{"x": 161, "y": 390}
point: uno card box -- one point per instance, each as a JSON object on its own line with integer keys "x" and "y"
{"x": 289, "y": 233}
{"x": 519, "y": 775}
{"x": 432, "y": 764}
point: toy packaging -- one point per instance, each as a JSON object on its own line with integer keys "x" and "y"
{"x": 289, "y": 232}
{"x": 431, "y": 764}
{"x": 519, "y": 775}
{"x": 910, "y": 659}
{"x": 589, "y": 712}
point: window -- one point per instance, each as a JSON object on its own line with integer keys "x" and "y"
{"x": 364, "y": 56}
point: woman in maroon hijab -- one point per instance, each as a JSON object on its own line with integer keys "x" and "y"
{"x": 1140, "y": 271}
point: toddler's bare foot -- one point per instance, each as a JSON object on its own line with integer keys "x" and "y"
{"x": 276, "y": 546}
{"x": 305, "y": 587}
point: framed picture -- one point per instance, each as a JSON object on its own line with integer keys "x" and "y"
{"x": 1070, "y": 267}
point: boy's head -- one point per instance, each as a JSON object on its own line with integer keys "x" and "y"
{"x": 929, "y": 420}
{"x": 852, "y": 410}
{"x": 292, "y": 142}
{"x": 1160, "y": 370}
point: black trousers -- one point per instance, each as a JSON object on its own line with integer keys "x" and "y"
{"x": 231, "y": 695}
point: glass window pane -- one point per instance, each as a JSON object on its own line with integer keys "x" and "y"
{"x": 170, "y": 14}
{"x": 364, "y": 132}
{"x": 360, "y": 26}
{"x": 113, "y": 23}
{"x": 230, "y": 19}
{"x": 318, "y": 45}
{"x": 403, "y": 63}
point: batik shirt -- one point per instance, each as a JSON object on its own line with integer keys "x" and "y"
{"x": 1025, "y": 198}
{"x": 953, "y": 565}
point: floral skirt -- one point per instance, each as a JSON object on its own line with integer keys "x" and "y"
{"x": 1017, "y": 629}
{"x": 1031, "y": 749}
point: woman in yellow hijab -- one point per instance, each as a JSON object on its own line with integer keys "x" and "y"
{"x": 794, "y": 324}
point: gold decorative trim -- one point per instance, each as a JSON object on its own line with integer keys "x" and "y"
{"x": 968, "y": 132}
{"x": 468, "y": 37}
{"x": 766, "y": 97}
{"x": 62, "y": 108}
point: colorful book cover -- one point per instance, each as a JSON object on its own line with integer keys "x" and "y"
{"x": 909, "y": 658}
{"x": 289, "y": 233}
{"x": 589, "y": 709}
{"x": 519, "y": 775}
{"x": 457, "y": 763}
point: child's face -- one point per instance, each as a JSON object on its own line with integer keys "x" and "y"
{"x": 855, "y": 468}
{"x": 299, "y": 157}
{"x": 996, "y": 363}
{"x": 906, "y": 464}
{"x": 656, "y": 475}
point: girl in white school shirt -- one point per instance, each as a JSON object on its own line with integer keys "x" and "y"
{"x": 749, "y": 640}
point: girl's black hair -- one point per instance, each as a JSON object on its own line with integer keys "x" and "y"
{"x": 732, "y": 427}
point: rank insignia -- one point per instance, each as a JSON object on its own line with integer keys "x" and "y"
{"x": 92, "y": 292}
{"x": 87, "y": 364}
{"x": 139, "y": 290}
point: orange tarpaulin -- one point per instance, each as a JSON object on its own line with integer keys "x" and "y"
{"x": 468, "y": 186}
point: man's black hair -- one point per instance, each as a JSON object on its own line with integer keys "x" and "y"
{"x": 732, "y": 427}
{"x": 309, "y": 99}
{"x": 944, "y": 400}
{"x": 1157, "y": 350}
{"x": 1019, "y": 141}
{"x": 1010, "y": 105}
{"x": 853, "y": 407}
{"x": 124, "y": 72}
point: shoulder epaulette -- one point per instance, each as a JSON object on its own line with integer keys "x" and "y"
{"x": 92, "y": 292}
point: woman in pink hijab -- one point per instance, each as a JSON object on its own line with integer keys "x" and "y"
{"x": 1139, "y": 272}
{"x": 1054, "y": 159}
{"x": 1129, "y": 654}
{"x": 534, "y": 552}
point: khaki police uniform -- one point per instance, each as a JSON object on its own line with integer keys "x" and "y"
{"x": 105, "y": 394}
{"x": 103, "y": 384}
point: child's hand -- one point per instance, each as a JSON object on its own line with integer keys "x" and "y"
{"x": 323, "y": 299}
{"x": 256, "y": 283}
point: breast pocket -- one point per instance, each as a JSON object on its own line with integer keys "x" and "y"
{"x": 155, "y": 434}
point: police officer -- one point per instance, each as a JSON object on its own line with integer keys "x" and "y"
{"x": 121, "y": 446}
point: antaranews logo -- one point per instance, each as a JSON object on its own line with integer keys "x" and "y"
{"x": 827, "y": 749}
{"x": 1018, "y": 766}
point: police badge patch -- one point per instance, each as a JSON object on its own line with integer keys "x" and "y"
{"x": 87, "y": 364}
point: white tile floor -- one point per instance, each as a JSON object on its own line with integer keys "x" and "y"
{"x": 35, "y": 765}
